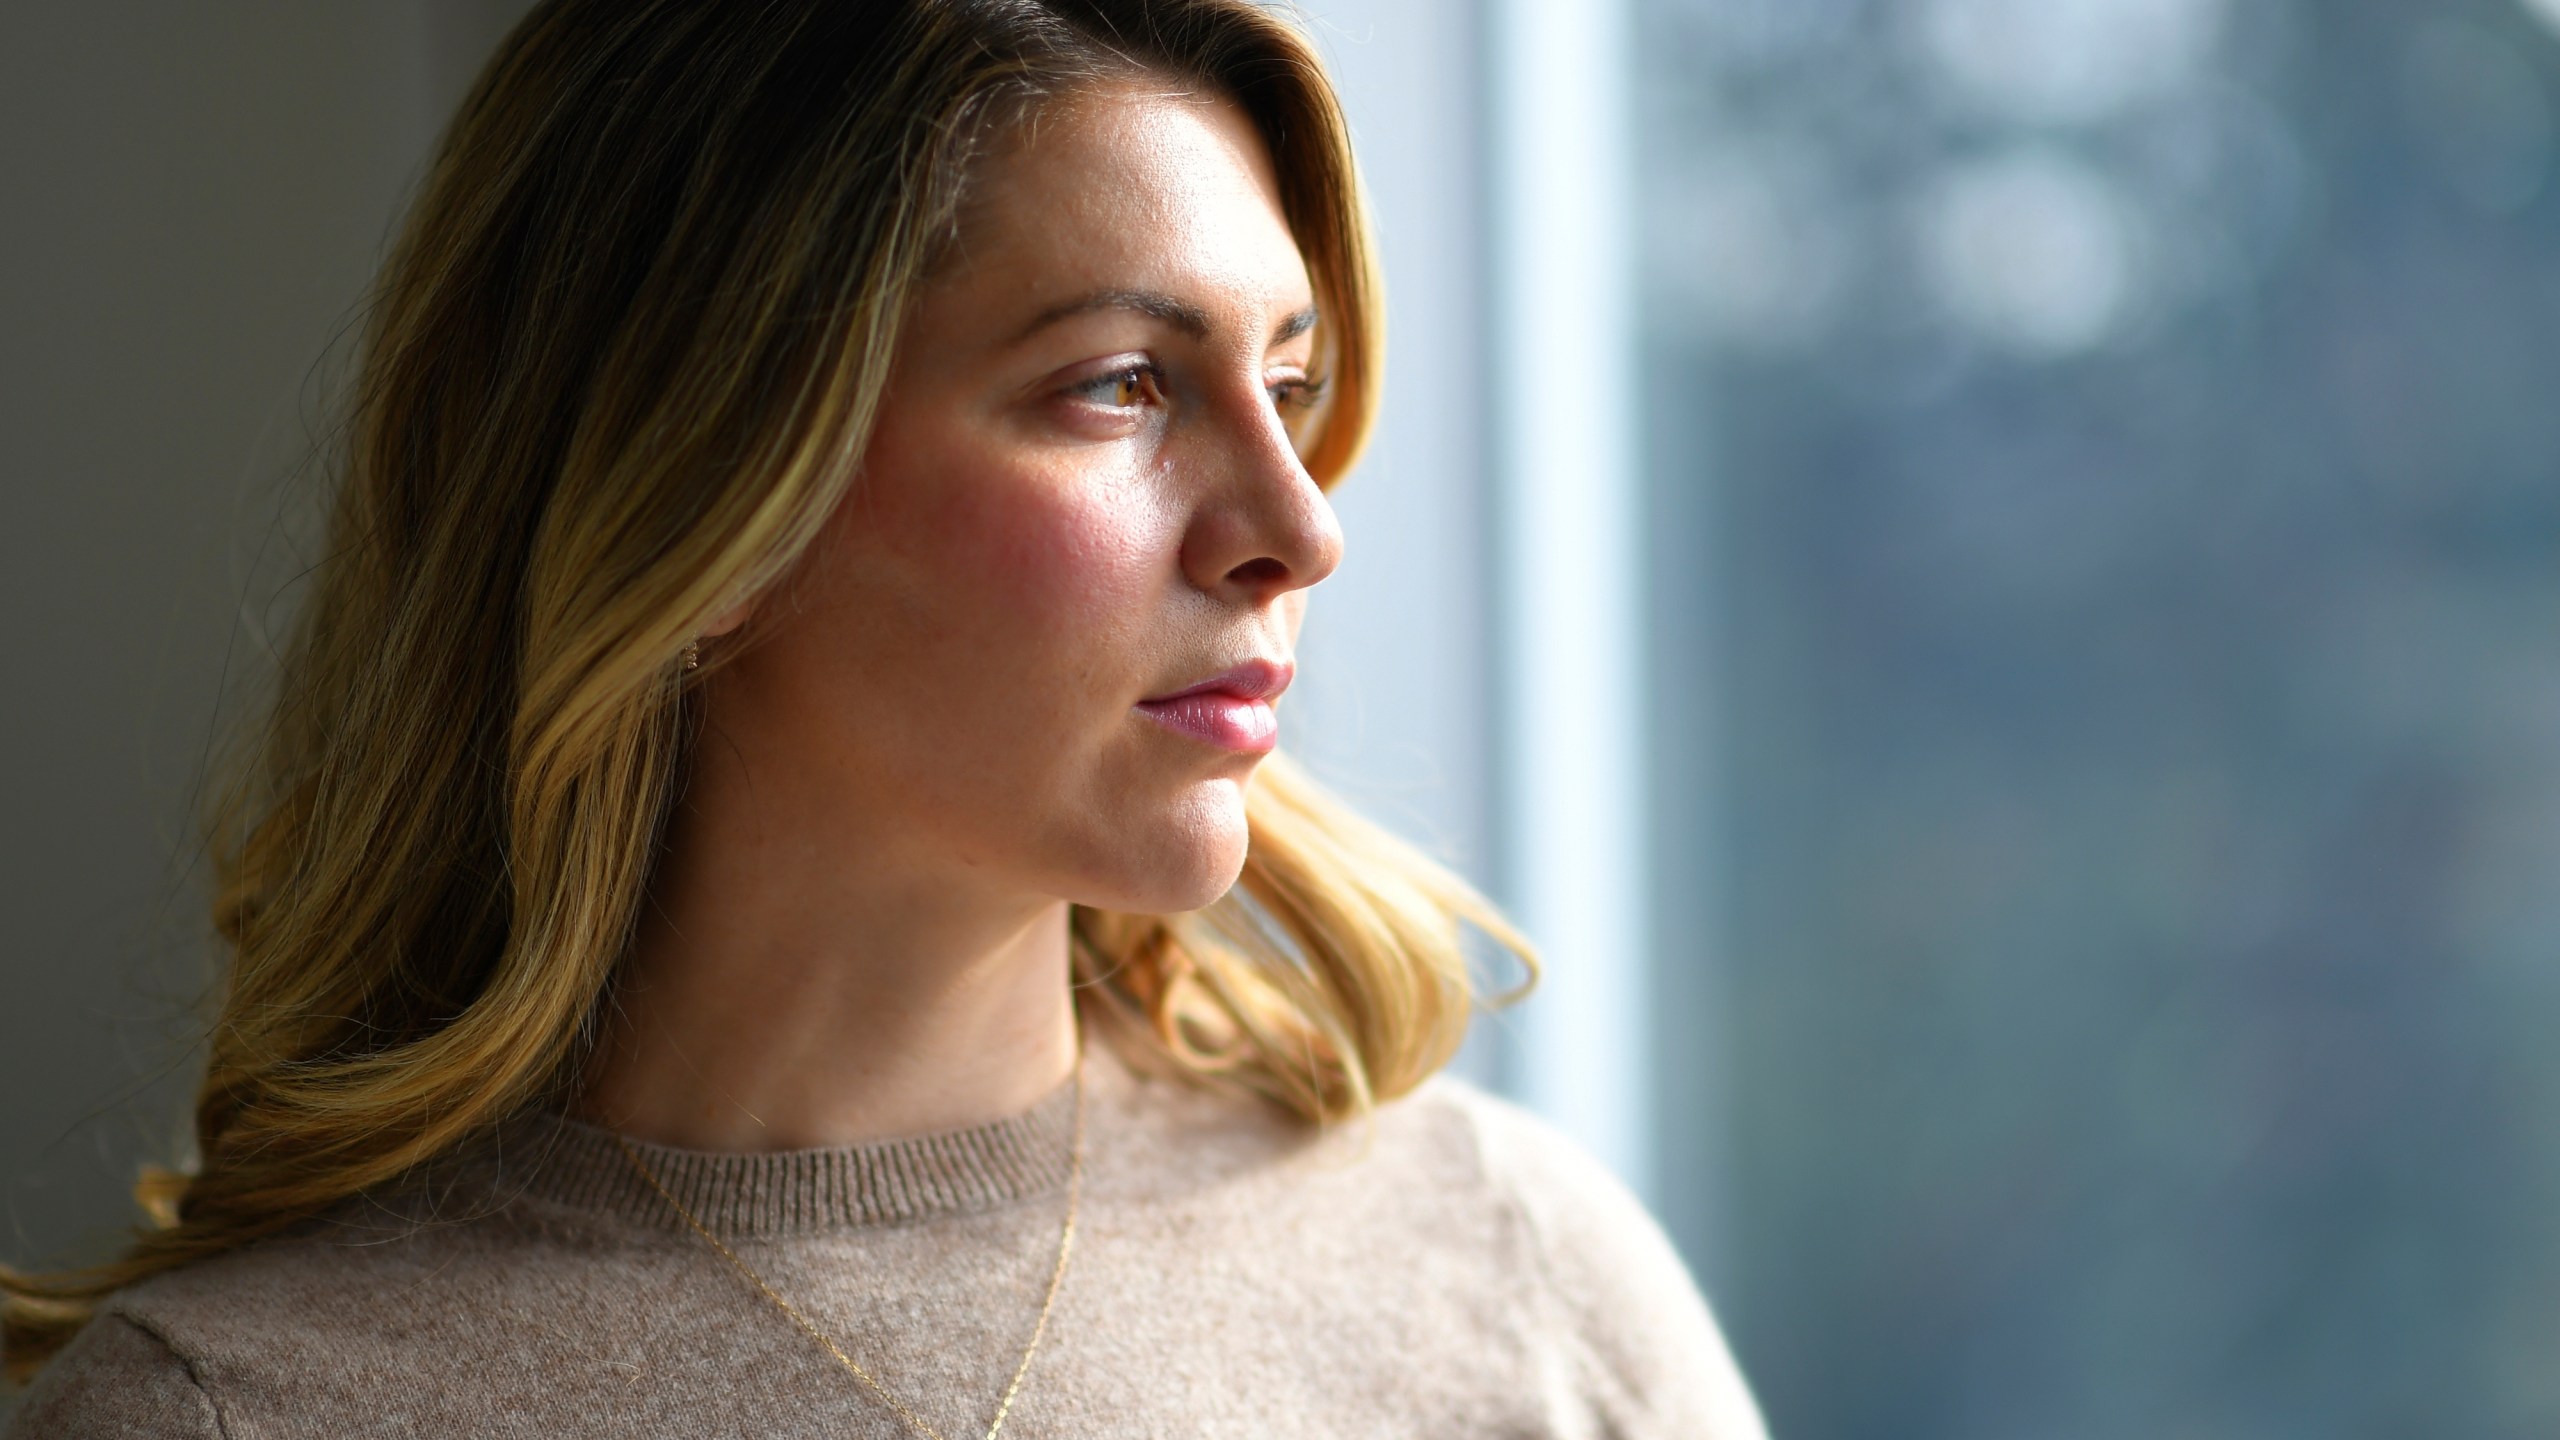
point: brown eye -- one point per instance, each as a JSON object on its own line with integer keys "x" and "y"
{"x": 1121, "y": 389}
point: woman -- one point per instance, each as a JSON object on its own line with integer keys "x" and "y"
{"x": 768, "y": 905}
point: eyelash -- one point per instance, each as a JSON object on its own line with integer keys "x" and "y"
{"x": 1287, "y": 395}
{"x": 1299, "y": 395}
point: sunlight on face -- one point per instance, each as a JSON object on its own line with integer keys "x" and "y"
{"x": 1081, "y": 497}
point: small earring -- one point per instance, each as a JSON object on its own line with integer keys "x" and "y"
{"x": 693, "y": 654}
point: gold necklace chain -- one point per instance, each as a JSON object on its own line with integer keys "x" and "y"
{"x": 1039, "y": 1328}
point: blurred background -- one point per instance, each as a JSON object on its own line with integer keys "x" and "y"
{"x": 1986, "y": 573}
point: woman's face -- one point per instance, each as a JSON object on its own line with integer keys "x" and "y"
{"x": 1081, "y": 499}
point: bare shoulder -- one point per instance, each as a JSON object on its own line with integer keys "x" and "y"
{"x": 1617, "y": 1294}
{"x": 115, "y": 1378}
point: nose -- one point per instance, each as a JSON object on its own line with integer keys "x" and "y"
{"x": 1261, "y": 527}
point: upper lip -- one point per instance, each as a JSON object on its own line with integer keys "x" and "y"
{"x": 1253, "y": 680}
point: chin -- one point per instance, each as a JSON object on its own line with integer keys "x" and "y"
{"x": 1186, "y": 860}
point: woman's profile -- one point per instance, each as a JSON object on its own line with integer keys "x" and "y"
{"x": 767, "y": 902}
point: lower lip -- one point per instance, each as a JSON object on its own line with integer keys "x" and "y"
{"x": 1248, "y": 727}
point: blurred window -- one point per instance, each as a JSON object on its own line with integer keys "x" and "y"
{"x": 2105, "y": 495}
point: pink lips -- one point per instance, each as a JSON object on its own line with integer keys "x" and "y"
{"x": 1231, "y": 710}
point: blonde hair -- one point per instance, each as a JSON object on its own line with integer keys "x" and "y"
{"x": 618, "y": 370}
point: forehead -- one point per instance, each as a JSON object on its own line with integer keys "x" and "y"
{"x": 1137, "y": 186}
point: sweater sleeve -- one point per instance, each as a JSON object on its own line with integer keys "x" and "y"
{"x": 115, "y": 1378}
{"x": 1637, "y": 1342}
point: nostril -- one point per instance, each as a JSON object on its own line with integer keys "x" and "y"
{"x": 1259, "y": 573}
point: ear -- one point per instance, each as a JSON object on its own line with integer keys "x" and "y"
{"x": 729, "y": 619}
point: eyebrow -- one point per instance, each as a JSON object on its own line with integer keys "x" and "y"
{"x": 1295, "y": 326}
{"x": 1190, "y": 319}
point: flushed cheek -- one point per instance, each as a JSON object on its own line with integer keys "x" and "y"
{"x": 1027, "y": 593}
{"x": 1053, "y": 575}
{"x": 1090, "y": 555}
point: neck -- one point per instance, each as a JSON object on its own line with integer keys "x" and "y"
{"x": 783, "y": 996}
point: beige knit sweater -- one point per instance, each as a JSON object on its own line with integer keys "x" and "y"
{"x": 1456, "y": 1269}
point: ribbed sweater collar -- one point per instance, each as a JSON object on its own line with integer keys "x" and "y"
{"x": 776, "y": 1194}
